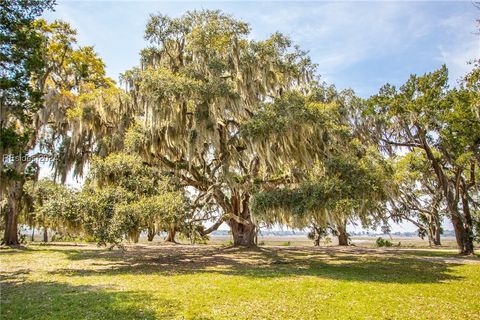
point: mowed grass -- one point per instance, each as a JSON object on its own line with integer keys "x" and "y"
{"x": 67, "y": 281}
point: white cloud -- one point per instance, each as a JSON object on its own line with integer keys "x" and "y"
{"x": 467, "y": 47}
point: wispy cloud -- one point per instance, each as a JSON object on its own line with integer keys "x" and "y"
{"x": 355, "y": 44}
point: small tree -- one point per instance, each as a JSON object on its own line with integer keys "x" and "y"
{"x": 125, "y": 197}
{"x": 51, "y": 206}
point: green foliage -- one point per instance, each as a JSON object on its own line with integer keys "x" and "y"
{"x": 21, "y": 54}
{"x": 51, "y": 205}
{"x": 126, "y": 196}
{"x": 200, "y": 81}
{"x": 442, "y": 125}
{"x": 343, "y": 186}
{"x": 380, "y": 242}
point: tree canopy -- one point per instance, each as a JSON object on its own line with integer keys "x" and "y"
{"x": 215, "y": 127}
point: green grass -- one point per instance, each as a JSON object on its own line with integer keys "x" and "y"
{"x": 214, "y": 282}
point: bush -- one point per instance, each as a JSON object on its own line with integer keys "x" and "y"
{"x": 383, "y": 243}
{"x": 286, "y": 244}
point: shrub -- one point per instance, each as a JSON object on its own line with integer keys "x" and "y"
{"x": 383, "y": 243}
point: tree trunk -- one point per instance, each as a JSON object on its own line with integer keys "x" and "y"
{"x": 10, "y": 237}
{"x": 171, "y": 236}
{"x": 33, "y": 234}
{"x": 436, "y": 232}
{"x": 45, "y": 234}
{"x": 459, "y": 231}
{"x": 151, "y": 233}
{"x": 243, "y": 234}
{"x": 451, "y": 197}
{"x": 11, "y": 214}
{"x": 342, "y": 234}
{"x": 433, "y": 232}
{"x": 242, "y": 227}
{"x": 136, "y": 237}
{"x": 316, "y": 240}
{"x": 468, "y": 239}
{"x": 316, "y": 235}
{"x": 463, "y": 241}
{"x": 430, "y": 237}
{"x": 436, "y": 238}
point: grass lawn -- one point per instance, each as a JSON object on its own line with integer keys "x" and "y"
{"x": 67, "y": 281}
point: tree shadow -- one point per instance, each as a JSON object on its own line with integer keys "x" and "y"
{"x": 53, "y": 300}
{"x": 338, "y": 264}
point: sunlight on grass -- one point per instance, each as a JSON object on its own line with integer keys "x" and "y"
{"x": 207, "y": 282}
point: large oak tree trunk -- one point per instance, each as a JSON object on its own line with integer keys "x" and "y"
{"x": 464, "y": 242}
{"x": 11, "y": 214}
{"x": 243, "y": 234}
{"x": 10, "y": 237}
{"x": 243, "y": 229}
{"x": 468, "y": 226}
{"x": 436, "y": 238}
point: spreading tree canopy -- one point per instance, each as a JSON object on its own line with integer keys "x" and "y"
{"x": 200, "y": 85}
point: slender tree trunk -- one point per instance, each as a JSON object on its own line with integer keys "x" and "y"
{"x": 45, "y": 234}
{"x": 171, "y": 235}
{"x": 436, "y": 226}
{"x": 33, "y": 234}
{"x": 316, "y": 240}
{"x": 151, "y": 233}
{"x": 436, "y": 239}
{"x": 317, "y": 235}
{"x": 430, "y": 237}
{"x": 342, "y": 233}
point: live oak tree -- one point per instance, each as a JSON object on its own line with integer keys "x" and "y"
{"x": 424, "y": 115}
{"x": 199, "y": 82}
{"x": 343, "y": 188}
{"x": 346, "y": 179}
{"x": 417, "y": 197}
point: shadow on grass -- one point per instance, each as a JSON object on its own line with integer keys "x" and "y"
{"x": 51, "y": 300}
{"x": 343, "y": 265}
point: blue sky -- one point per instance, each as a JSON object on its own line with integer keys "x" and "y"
{"x": 359, "y": 45}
